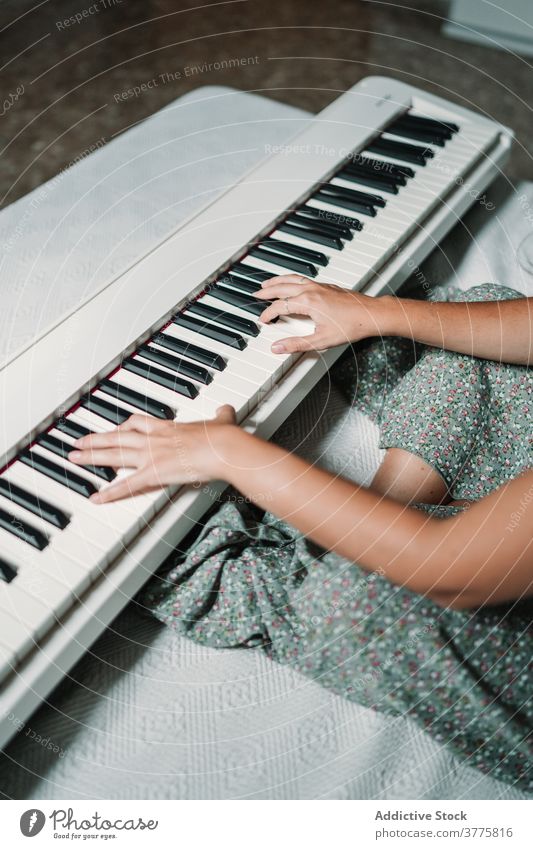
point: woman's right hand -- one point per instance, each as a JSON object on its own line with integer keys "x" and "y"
{"x": 339, "y": 316}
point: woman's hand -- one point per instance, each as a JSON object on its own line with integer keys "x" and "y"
{"x": 340, "y": 316}
{"x": 160, "y": 452}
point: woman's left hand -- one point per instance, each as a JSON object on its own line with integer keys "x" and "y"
{"x": 160, "y": 453}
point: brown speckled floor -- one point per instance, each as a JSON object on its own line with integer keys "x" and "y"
{"x": 70, "y": 76}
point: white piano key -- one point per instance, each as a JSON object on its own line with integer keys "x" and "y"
{"x": 49, "y": 591}
{"x": 224, "y": 382}
{"x": 207, "y": 401}
{"x": 361, "y": 248}
{"x": 7, "y": 662}
{"x": 32, "y": 612}
{"x": 263, "y": 343}
{"x": 399, "y": 163}
{"x": 123, "y": 405}
{"x": 94, "y": 545}
{"x": 141, "y": 507}
{"x": 227, "y": 386}
{"x": 330, "y": 208}
{"x": 247, "y": 371}
{"x": 236, "y": 360}
{"x": 302, "y": 242}
{"x": 256, "y": 364}
{"x": 353, "y": 260}
{"x": 91, "y": 420}
{"x": 66, "y": 464}
{"x": 404, "y": 206}
{"x": 15, "y": 636}
{"x": 274, "y": 267}
{"x": 204, "y": 406}
{"x": 65, "y": 437}
{"x": 72, "y": 573}
{"x": 368, "y": 221}
{"x": 463, "y": 146}
{"x": 110, "y": 522}
{"x": 356, "y": 186}
{"x": 93, "y": 553}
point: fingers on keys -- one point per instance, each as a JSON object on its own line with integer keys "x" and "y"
{"x": 297, "y": 279}
{"x": 134, "y": 484}
{"x": 294, "y": 344}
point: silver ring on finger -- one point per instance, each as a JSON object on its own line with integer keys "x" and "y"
{"x": 287, "y": 307}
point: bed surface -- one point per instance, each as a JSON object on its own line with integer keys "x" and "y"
{"x": 147, "y": 714}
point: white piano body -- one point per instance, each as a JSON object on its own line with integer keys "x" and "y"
{"x": 131, "y": 307}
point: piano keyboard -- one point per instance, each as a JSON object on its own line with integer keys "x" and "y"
{"x": 383, "y": 202}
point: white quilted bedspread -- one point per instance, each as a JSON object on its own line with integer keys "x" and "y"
{"x": 147, "y": 714}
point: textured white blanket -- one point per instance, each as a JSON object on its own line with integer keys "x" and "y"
{"x": 147, "y": 714}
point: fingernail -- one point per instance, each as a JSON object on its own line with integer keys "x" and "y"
{"x": 95, "y": 498}
{"x": 74, "y": 455}
{"x": 278, "y": 348}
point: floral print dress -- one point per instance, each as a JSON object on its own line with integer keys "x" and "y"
{"x": 250, "y": 580}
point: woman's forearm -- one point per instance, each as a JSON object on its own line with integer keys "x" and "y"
{"x": 495, "y": 330}
{"x": 468, "y": 560}
{"x": 364, "y": 527}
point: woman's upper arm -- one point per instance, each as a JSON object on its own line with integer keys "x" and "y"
{"x": 487, "y": 551}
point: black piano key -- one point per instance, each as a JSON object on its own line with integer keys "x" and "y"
{"x": 137, "y": 399}
{"x": 400, "y": 173}
{"x": 71, "y": 428}
{"x": 22, "y": 530}
{"x": 400, "y": 150}
{"x": 250, "y": 273}
{"x": 7, "y": 572}
{"x": 194, "y": 352}
{"x": 285, "y": 262}
{"x": 296, "y": 251}
{"x": 345, "y": 202}
{"x": 429, "y": 123}
{"x": 321, "y": 225}
{"x": 240, "y": 283}
{"x": 161, "y": 378}
{"x": 234, "y": 322}
{"x": 325, "y": 216}
{"x": 185, "y": 367}
{"x": 353, "y": 194}
{"x": 57, "y": 473}
{"x": 374, "y": 181}
{"x": 100, "y": 407}
{"x": 419, "y": 134}
{"x": 212, "y": 331}
{"x": 43, "y": 509}
{"x": 63, "y": 449}
{"x": 305, "y": 231}
{"x": 229, "y": 296}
